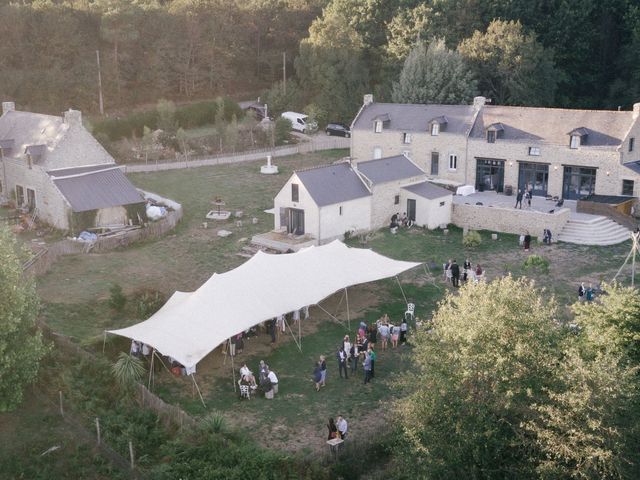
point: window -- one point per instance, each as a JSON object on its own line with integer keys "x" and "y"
{"x": 575, "y": 141}
{"x": 377, "y": 153}
{"x": 627, "y": 188}
{"x": 295, "y": 195}
{"x": 491, "y": 136}
{"x": 534, "y": 151}
{"x": 453, "y": 161}
{"x": 396, "y": 200}
{"x": 406, "y": 138}
{"x": 435, "y": 129}
{"x": 19, "y": 195}
{"x": 340, "y": 210}
{"x": 378, "y": 126}
{"x": 631, "y": 142}
{"x": 31, "y": 199}
{"x": 435, "y": 160}
{"x": 442, "y": 204}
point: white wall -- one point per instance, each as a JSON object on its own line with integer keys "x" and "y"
{"x": 305, "y": 202}
{"x": 356, "y": 216}
{"x": 429, "y": 213}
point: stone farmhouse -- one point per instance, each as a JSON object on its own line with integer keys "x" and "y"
{"x": 323, "y": 203}
{"x": 561, "y": 153}
{"x": 53, "y": 167}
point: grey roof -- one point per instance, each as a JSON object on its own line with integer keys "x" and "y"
{"x": 579, "y": 131}
{"x": 606, "y": 128}
{"x": 410, "y": 117}
{"x": 389, "y": 169}
{"x": 36, "y": 151}
{"x": 97, "y": 189}
{"x": 332, "y": 184}
{"x": 26, "y": 128}
{"x": 428, "y": 190}
{"x": 633, "y": 166}
{"x": 65, "y": 172}
{"x": 441, "y": 120}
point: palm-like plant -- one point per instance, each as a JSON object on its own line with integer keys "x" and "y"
{"x": 127, "y": 369}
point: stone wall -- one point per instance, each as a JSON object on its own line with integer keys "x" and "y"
{"x": 509, "y": 220}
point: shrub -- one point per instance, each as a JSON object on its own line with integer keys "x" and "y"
{"x": 117, "y": 300}
{"x": 147, "y": 301}
{"x": 472, "y": 239}
{"x": 215, "y": 423}
{"x": 282, "y": 131}
{"x": 536, "y": 263}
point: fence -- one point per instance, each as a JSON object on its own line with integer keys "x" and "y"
{"x": 170, "y": 414}
{"x": 42, "y": 261}
{"x": 248, "y": 156}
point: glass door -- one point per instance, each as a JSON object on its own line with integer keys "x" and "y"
{"x": 411, "y": 210}
{"x": 578, "y": 182}
{"x": 296, "y": 221}
{"x": 534, "y": 176}
{"x": 489, "y": 174}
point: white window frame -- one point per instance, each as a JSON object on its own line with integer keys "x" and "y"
{"x": 377, "y": 153}
{"x": 534, "y": 151}
{"x": 453, "y": 162}
{"x": 492, "y": 135}
{"x": 435, "y": 129}
{"x": 406, "y": 138}
{"x": 574, "y": 142}
{"x": 377, "y": 126}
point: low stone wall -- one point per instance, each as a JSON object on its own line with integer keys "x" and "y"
{"x": 618, "y": 213}
{"x": 509, "y": 220}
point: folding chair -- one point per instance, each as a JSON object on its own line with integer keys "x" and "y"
{"x": 245, "y": 392}
{"x": 411, "y": 308}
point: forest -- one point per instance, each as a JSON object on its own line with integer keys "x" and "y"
{"x": 529, "y": 52}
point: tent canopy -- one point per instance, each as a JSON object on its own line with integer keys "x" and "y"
{"x": 190, "y": 325}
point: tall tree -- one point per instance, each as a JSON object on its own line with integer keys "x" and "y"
{"x": 512, "y": 67}
{"x": 406, "y": 29}
{"x": 434, "y": 74}
{"x": 21, "y": 344}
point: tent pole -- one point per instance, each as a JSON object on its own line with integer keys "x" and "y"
{"x": 160, "y": 360}
{"x": 427, "y": 272}
{"x": 400, "y": 285}
{"x": 339, "y": 303}
{"x": 346, "y": 295}
{"x": 625, "y": 260}
{"x": 334, "y": 318}
{"x": 233, "y": 372}
{"x": 104, "y": 341}
{"x": 293, "y": 335}
{"x": 300, "y": 333}
{"x": 193, "y": 377}
{"x": 224, "y": 352}
{"x": 151, "y": 369}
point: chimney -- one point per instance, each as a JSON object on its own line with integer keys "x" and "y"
{"x": 73, "y": 118}
{"x": 8, "y": 107}
{"x": 368, "y": 99}
{"x": 636, "y": 110}
{"x": 479, "y": 102}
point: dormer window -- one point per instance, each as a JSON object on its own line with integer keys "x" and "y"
{"x": 379, "y": 122}
{"x": 378, "y": 126}
{"x": 578, "y": 137}
{"x": 438, "y": 124}
{"x": 406, "y": 138}
{"x": 534, "y": 151}
{"x": 494, "y": 131}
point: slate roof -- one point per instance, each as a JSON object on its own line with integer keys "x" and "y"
{"x": 96, "y": 188}
{"x": 332, "y": 184}
{"x": 409, "y": 117}
{"x": 389, "y": 169}
{"x": 428, "y": 190}
{"x": 606, "y": 128}
{"x": 26, "y": 129}
{"x": 65, "y": 172}
{"x": 633, "y": 166}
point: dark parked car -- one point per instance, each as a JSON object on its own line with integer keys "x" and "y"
{"x": 338, "y": 129}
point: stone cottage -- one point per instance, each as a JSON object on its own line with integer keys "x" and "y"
{"x": 53, "y": 167}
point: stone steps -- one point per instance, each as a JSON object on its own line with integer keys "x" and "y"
{"x": 593, "y": 230}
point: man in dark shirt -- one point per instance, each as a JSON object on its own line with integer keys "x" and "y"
{"x": 455, "y": 274}
{"x": 519, "y": 199}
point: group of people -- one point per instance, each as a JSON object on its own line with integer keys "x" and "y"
{"x": 398, "y": 221}
{"x": 453, "y": 273}
{"x": 267, "y": 380}
{"x": 586, "y": 294}
{"x": 525, "y": 241}
{"x": 526, "y": 194}
{"x": 337, "y": 428}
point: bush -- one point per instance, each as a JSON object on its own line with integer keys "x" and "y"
{"x": 536, "y": 263}
{"x": 282, "y": 131}
{"x": 215, "y": 423}
{"x": 128, "y": 369}
{"x": 117, "y": 300}
{"x": 472, "y": 239}
{"x": 147, "y": 301}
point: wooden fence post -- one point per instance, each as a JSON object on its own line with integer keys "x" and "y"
{"x": 98, "y": 429}
{"x": 133, "y": 465}
{"x": 61, "y": 407}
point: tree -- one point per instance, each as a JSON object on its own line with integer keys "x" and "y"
{"x": 512, "y": 67}
{"x": 434, "y": 74}
{"x": 21, "y": 343}
{"x": 500, "y": 389}
{"x": 406, "y": 29}
{"x": 166, "y": 116}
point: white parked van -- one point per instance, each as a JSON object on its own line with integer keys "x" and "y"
{"x": 299, "y": 122}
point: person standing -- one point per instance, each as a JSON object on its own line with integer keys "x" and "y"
{"x": 323, "y": 370}
{"x": 317, "y": 376}
{"x": 367, "y": 367}
{"x": 342, "y": 362}
{"x": 403, "y": 331}
{"x": 274, "y": 380}
{"x": 527, "y": 241}
{"x": 373, "y": 356}
{"x": 528, "y": 195}
{"x": 346, "y": 344}
{"x": 273, "y": 326}
{"x": 395, "y": 335}
{"x": 466, "y": 269}
{"x": 581, "y": 292}
{"x": 455, "y": 274}
{"x": 383, "y": 330}
{"x": 519, "y": 199}
{"x": 333, "y": 430}
{"x": 342, "y": 426}
{"x": 589, "y": 293}
{"x": 355, "y": 356}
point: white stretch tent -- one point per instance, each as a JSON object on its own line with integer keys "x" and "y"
{"x": 190, "y": 325}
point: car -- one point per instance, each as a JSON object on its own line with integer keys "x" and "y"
{"x": 338, "y": 129}
{"x": 300, "y": 122}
